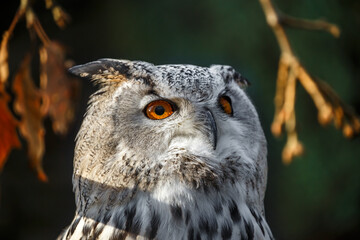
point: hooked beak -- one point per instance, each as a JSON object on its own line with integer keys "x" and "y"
{"x": 213, "y": 129}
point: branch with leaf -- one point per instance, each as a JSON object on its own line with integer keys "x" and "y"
{"x": 330, "y": 106}
{"x": 58, "y": 91}
{"x": 55, "y": 97}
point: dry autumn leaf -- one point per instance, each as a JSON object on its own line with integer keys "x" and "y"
{"x": 61, "y": 18}
{"x": 8, "y": 135}
{"x": 60, "y": 89}
{"x": 56, "y": 97}
{"x": 28, "y": 105}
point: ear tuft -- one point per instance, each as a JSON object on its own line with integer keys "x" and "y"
{"x": 228, "y": 73}
{"x": 101, "y": 67}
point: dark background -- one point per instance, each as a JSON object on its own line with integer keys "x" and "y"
{"x": 316, "y": 197}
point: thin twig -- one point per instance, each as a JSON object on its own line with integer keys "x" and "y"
{"x": 321, "y": 25}
{"x": 279, "y": 97}
{"x": 325, "y": 114}
{"x": 4, "y": 67}
{"x": 33, "y": 22}
{"x": 329, "y": 105}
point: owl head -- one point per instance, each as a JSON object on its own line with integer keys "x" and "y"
{"x": 158, "y": 124}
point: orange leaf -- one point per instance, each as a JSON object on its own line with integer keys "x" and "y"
{"x": 61, "y": 89}
{"x": 8, "y": 135}
{"x": 28, "y": 105}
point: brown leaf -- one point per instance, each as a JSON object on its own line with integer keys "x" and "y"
{"x": 60, "y": 16}
{"x": 61, "y": 89}
{"x": 28, "y": 105}
{"x": 8, "y": 135}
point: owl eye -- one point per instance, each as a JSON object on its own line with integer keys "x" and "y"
{"x": 225, "y": 103}
{"x": 159, "y": 109}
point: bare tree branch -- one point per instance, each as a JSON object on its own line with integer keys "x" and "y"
{"x": 329, "y": 105}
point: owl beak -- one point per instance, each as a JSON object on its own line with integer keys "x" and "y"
{"x": 213, "y": 129}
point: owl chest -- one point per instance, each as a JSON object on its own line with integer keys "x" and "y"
{"x": 203, "y": 216}
{"x": 174, "y": 214}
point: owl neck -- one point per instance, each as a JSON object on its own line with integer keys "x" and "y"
{"x": 172, "y": 180}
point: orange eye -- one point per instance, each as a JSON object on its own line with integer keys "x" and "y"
{"x": 159, "y": 109}
{"x": 225, "y": 103}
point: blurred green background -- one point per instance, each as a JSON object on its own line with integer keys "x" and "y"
{"x": 316, "y": 197}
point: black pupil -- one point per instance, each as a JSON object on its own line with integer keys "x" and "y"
{"x": 159, "y": 110}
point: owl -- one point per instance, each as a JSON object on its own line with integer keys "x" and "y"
{"x": 168, "y": 152}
